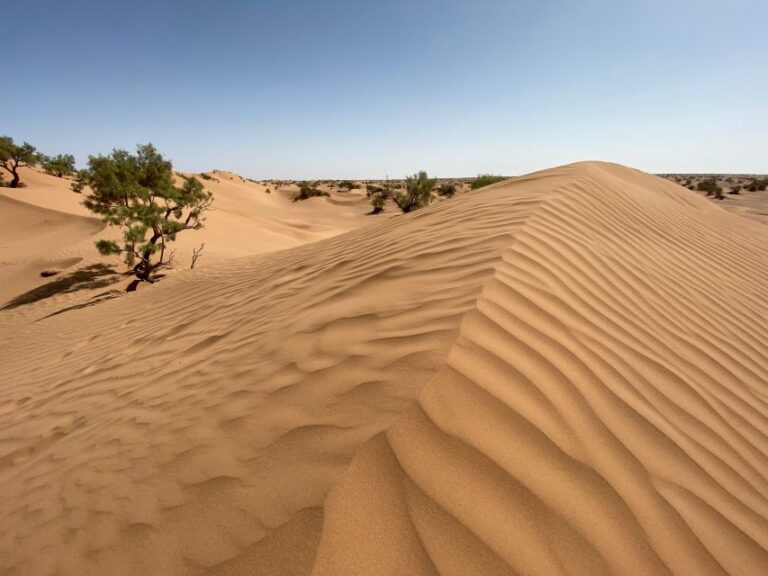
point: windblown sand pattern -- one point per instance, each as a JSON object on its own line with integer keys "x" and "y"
{"x": 566, "y": 373}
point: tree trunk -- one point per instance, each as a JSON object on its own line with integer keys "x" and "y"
{"x": 15, "y": 181}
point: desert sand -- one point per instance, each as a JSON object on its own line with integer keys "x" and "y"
{"x": 564, "y": 373}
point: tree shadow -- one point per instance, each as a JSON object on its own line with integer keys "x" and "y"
{"x": 96, "y": 299}
{"x": 93, "y": 276}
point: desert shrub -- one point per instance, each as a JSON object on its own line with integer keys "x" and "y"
{"x": 136, "y": 194}
{"x": 735, "y": 190}
{"x": 205, "y": 176}
{"x": 711, "y": 188}
{"x": 308, "y": 191}
{"x": 377, "y": 203}
{"x": 12, "y": 156}
{"x": 485, "y": 180}
{"x": 757, "y": 185}
{"x": 371, "y": 189}
{"x": 61, "y": 165}
{"x": 417, "y": 193}
{"x": 268, "y": 191}
{"x": 447, "y": 189}
{"x": 347, "y": 185}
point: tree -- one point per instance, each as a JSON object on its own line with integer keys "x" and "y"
{"x": 137, "y": 194}
{"x": 61, "y": 165}
{"x": 12, "y": 156}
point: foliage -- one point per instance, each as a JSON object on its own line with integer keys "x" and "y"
{"x": 136, "y": 193}
{"x": 447, "y": 189}
{"x": 308, "y": 191}
{"x": 417, "y": 193}
{"x": 80, "y": 181}
{"x": 61, "y": 165}
{"x": 377, "y": 203}
{"x": 347, "y": 185}
{"x": 485, "y": 180}
{"x": 711, "y": 188}
{"x": 14, "y": 155}
{"x": 372, "y": 189}
{"x": 757, "y": 185}
{"x": 735, "y": 190}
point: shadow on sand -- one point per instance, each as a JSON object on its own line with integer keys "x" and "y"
{"x": 94, "y": 276}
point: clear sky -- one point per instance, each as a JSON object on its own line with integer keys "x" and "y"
{"x": 368, "y": 88}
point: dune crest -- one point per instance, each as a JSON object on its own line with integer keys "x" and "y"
{"x": 603, "y": 410}
{"x": 564, "y": 373}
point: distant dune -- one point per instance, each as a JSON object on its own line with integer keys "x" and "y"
{"x": 563, "y": 373}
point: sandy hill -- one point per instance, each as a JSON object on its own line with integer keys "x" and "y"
{"x": 565, "y": 373}
{"x": 245, "y": 219}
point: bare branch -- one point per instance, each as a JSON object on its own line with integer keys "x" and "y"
{"x": 196, "y": 254}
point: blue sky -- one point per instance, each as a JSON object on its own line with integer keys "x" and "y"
{"x": 343, "y": 88}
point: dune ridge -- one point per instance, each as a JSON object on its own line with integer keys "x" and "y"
{"x": 598, "y": 414}
{"x": 564, "y": 373}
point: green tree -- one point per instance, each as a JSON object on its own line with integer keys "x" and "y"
{"x": 12, "y": 156}
{"x": 61, "y": 165}
{"x": 136, "y": 193}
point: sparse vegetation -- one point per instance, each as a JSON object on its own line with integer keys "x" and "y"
{"x": 735, "y": 190}
{"x": 711, "y": 188}
{"x": 377, "y": 203}
{"x": 447, "y": 189}
{"x": 12, "y": 156}
{"x": 136, "y": 193}
{"x": 486, "y": 180}
{"x": 346, "y": 185}
{"x": 80, "y": 181}
{"x": 205, "y": 176}
{"x": 372, "y": 189}
{"x": 308, "y": 191}
{"x": 417, "y": 194}
{"x": 61, "y": 165}
{"x": 757, "y": 185}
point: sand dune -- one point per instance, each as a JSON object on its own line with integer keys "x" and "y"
{"x": 50, "y": 229}
{"x": 564, "y": 373}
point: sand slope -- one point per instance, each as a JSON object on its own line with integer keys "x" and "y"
{"x": 561, "y": 374}
{"x": 44, "y": 226}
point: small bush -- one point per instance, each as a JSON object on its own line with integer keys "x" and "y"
{"x": 417, "y": 194}
{"x": 205, "y": 176}
{"x": 735, "y": 190}
{"x": 757, "y": 185}
{"x": 347, "y": 185}
{"x": 307, "y": 191}
{"x": 485, "y": 180}
{"x": 377, "y": 203}
{"x": 711, "y": 188}
{"x": 371, "y": 189}
{"x": 447, "y": 189}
